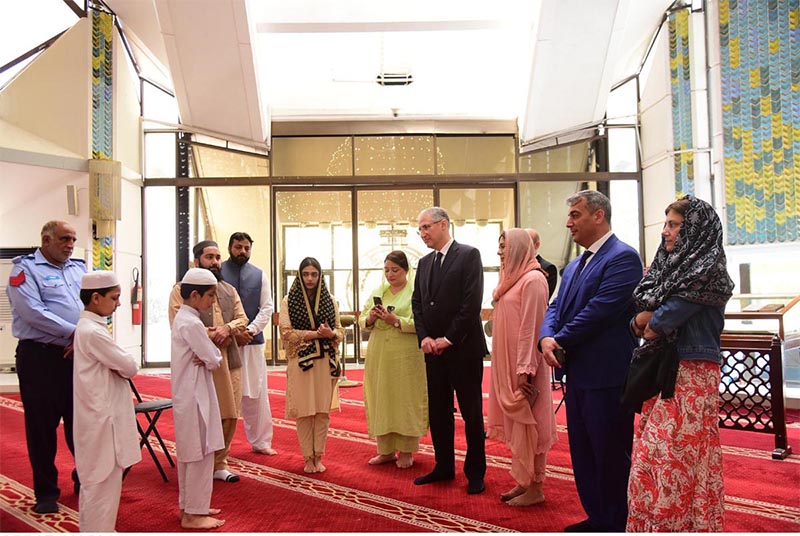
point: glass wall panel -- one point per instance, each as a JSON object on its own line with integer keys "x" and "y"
{"x": 463, "y": 155}
{"x": 312, "y": 156}
{"x": 567, "y": 159}
{"x": 159, "y": 105}
{"x": 387, "y": 220}
{"x": 622, "y": 150}
{"x": 217, "y": 212}
{"x": 625, "y": 216}
{"x": 542, "y": 206}
{"x": 394, "y": 155}
{"x": 623, "y": 104}
{"x": 160, "y": 253}
{"x": 316, "y": 224}
{"x": 478, "y": 216}
{"x": 159, "y": 152}
{"x": 223, "y": 210}
{"x": 211, "y": 162}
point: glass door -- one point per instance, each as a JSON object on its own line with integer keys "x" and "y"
{"x": 315, "y": 224}
{"x": 478, "y": 216}
{"x": 387, "y": 220}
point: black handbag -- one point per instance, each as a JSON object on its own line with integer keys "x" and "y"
{"x": 653, "y": 370}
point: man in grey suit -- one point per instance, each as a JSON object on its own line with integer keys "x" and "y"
{"x": 547, "y": 266}
{"x": 448, "y": 292}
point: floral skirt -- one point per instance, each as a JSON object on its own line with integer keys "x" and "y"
{"x": 676, "y": 482}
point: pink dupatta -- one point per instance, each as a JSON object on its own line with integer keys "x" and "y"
{"x": 519, "y": 260}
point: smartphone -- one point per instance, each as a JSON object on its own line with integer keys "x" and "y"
{"x": 561, "y": 356}
{"x": 376, "y": 300}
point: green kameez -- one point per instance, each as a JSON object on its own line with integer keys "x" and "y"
{"x": 395, "y": 385}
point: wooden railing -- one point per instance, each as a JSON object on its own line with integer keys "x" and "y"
{"x": 751, "y": 390}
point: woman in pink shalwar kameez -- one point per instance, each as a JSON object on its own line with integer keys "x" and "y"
{"x": 519, "y": 371}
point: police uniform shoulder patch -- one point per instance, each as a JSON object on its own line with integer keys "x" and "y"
{"x": 78, "y": 260}
{"x": 17, "y": 280}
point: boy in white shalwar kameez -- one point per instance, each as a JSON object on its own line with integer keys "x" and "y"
{"x": 106, "y": 440}
{"x": 198, "y": 427}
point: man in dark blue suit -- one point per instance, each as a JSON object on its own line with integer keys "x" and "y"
{"x": 448, "y": 292}
{"x": 588, "y": 322}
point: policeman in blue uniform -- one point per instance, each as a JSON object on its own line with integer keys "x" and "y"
{"x": 43, "y": 290}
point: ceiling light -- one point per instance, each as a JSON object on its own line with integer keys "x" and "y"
{"x": 394, "y": 79}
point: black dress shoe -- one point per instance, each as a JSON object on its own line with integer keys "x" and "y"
{"x": 433, "y": 476}
{"x": 476, "y": 486}
{"x": 581, "y": 526}
{"x": 46, "y": 507}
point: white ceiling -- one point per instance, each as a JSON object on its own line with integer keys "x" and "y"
{"x": 238, "y": 65}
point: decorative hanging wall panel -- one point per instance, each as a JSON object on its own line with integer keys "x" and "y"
{"x": 760, "y": 45}
{"x": 680, "y": 84}
{"x": 102, "y": 123}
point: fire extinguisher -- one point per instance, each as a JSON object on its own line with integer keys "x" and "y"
{"x": 136, "y": 299}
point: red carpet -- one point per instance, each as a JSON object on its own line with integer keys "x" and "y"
{"x": 275, "y": 495}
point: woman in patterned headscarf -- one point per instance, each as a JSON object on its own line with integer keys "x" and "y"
{"x": 311, "y": 332}
{"x": 520, "y": 404}
{"x": 675, "y": 482}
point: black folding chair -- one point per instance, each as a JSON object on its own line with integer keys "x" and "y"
{"x": 154, "y": 407}
{"x": 558, "y": 382}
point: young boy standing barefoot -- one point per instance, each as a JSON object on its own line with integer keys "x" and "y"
{"x": 106, "y": 441}
{"x": 198, "y": 428}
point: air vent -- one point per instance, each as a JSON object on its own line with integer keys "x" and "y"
{"x": 394, "y": 79}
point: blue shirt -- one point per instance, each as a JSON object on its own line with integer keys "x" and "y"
{"x": 45, "y": 299}
{"x": 698, "y": 326}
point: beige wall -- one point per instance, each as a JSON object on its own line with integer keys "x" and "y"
{"x": 127, "y": 139}
{"x": 51, "y": 98}
{"x": 24, "y": 209}
{"x": 658, "y": 176}
{"x": 45, "y": 133}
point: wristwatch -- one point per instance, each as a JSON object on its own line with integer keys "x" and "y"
{"x": 397, "y": 324}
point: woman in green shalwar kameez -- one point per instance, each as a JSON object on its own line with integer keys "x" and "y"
{"x": 395, "y": 387}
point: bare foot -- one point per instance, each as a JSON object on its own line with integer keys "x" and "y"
{"x": 510, "y": 494}
{"x": 191, "y": 521}
{"x": 533, "y": 495}
{"x": 318, "y": 463}
{"x": 310, "y": 466}
{"x": 211, "y": 512}
{"x": 405, "y": 460}
{"x": 381, "y": 459}
{"x": 267, "y": 451}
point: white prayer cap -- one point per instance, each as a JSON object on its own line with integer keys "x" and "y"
{"x": 99, "y": 279}
{"x": 199, "y": 276}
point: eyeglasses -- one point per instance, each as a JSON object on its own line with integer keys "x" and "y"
{"x": 426, "y": 226}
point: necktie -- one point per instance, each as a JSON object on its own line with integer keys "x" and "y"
{"x": 584, "y": 258}
{"x": 436, "y": 269}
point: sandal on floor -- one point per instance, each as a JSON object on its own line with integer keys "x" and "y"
{"x": 225, "y": 476}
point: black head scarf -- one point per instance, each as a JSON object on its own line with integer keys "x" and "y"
{"x": 696, "y": 268}
{"x": 308, "y": 315}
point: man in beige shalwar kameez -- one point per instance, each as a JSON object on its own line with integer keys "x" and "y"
{"x": 226, "y": 319}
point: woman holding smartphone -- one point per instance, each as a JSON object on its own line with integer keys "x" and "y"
{"x": 395, "y": 387}
{"x": 520, "y": 402}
